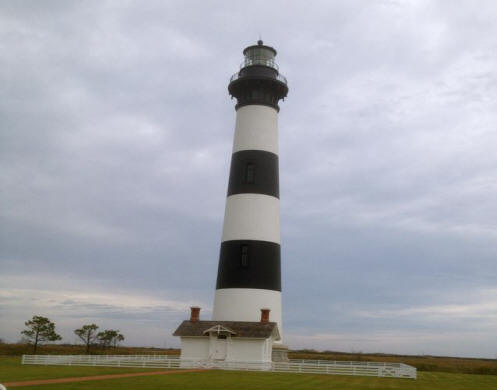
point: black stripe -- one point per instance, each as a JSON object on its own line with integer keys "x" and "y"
{"x": 249, "y": 264}
{"x": 265, "y": 173}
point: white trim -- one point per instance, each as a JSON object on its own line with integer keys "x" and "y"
{"x": 218, "y": 329}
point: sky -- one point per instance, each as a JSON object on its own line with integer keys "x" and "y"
{"x": 116, "y": 130}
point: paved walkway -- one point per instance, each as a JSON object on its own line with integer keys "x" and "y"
{"x": 94, "y": 378}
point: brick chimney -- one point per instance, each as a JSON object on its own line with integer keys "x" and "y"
{"x": 195, "y": 313}
{"x": 265, "y": 315}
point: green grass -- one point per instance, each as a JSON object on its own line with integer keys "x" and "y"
{"x": 216, "y": 380}
{"x": 12, "y": 370}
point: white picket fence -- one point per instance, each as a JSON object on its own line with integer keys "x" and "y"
{"x": 147, "y": 361}
{"x": 394, "y": 370}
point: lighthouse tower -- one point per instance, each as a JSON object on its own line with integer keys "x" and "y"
{"x": 246, "y": 320}
{"x": 249, "y": 273}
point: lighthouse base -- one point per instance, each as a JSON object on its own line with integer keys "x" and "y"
{"x": 245, "y": 304}
{"x": 280, "y": 353}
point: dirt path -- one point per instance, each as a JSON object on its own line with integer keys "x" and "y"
{"x": 94, "y": 378}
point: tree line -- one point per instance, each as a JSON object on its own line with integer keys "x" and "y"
{"x": 41, "y": 329}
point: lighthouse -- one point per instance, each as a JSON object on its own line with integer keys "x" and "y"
{"x": 249, "y": 272}
{"x": 246, "y": 322}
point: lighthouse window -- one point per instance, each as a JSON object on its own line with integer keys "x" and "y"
{"x": 250, "y": 173}
{"x": 244, "y": 259}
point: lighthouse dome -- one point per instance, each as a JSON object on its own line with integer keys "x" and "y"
{"x": 259, "y": 54}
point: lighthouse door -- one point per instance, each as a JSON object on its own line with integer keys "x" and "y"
{"x": 220, "y": 347}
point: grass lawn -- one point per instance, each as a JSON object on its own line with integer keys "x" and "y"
{"x": 216, "y": 380}
{"x": 12, "y": 370}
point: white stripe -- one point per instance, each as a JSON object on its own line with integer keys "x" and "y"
{"x": 256, "y": 129}
{"x": 245, "y": 304}
{"x": 252, "y": 217}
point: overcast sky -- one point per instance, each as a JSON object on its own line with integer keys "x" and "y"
{"x": 115, "y": 140}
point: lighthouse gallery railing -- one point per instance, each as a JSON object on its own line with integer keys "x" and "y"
{"x": 279, "y": 77}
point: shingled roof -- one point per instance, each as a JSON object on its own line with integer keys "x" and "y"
{"x": 259, "y": 330}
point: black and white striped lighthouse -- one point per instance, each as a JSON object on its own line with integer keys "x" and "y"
{"x": 249, "y": 273}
